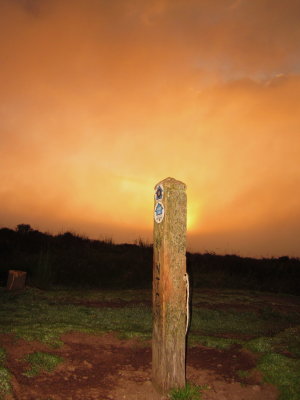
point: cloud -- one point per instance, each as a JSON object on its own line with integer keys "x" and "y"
{"x": 100, "y": 100}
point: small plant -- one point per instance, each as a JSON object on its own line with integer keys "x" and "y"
{"x": 189, "y": 392}
{"x": 41, "y": 362}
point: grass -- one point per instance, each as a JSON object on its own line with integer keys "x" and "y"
{"x": 277, "y": 368}
{"x": 41, "y": 362}
{"x": 212, "y": 341}
{"x": 283, "y": 372}
{"x": 49, "y": 319}
{"x": 251, "y": 323}
{"x": 189, "y": 392}
{"x": 5, "y": 386}
{"x": 286, "y": 341}
{"x": 2, "y": 356}
{"x": 45, "y": 315}
{"x": 49, "y": 314}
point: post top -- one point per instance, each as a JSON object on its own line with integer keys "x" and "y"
{"x": 172, "y": 183}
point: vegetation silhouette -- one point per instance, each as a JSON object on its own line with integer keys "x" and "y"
{"x": 71, "y": 260}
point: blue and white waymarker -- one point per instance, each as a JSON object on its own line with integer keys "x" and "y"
{"x": 159, "y": 193}
{"x": 159, "y": 212}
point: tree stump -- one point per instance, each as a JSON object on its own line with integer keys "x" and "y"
{"x": 169, "y": 297}
{"x": 16, "y": 279}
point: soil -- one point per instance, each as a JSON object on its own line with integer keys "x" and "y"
{"x": 108, "y": 368}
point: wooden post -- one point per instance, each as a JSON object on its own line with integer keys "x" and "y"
{"x": 16, "y": 279}
{"x": 169, "y": 297}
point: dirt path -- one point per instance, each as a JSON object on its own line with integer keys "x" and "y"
{"x": 107, "y": 368}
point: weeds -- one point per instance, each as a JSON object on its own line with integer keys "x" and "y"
{"x": 189, "y": 392}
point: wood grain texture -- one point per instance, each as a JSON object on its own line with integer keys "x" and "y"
{"x": 169, "y": 289}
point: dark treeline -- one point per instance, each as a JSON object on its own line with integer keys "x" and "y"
{"x": 70, "y": 260}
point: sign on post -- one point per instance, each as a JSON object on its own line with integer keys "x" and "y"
{"x": 169, "y": 297}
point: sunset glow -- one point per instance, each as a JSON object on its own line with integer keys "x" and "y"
{"x": 101, "y": 100}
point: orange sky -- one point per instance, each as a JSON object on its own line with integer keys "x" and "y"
{"x": 102, "y": 99}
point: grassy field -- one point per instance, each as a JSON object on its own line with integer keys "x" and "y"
{"x": 265, "y": 324}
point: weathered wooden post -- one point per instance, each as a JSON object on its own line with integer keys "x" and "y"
{"x": 169, "y": 285}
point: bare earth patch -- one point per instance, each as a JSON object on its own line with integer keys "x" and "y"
{"x": 107, "y": 368}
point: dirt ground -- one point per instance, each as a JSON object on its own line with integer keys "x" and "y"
{"x": 107, "y": 368}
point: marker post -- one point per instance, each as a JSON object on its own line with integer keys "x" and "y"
{"x": 169, "y": 296}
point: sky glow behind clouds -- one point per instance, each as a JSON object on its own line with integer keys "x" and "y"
{"x": 101, "y": 100}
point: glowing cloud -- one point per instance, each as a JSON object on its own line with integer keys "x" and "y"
{"x": 101, "y": 100}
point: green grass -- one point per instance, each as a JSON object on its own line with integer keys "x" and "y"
{"x": 278, "y": 369}
{"x": 189, "y": 392}
{"x": 260, "y": 345}
{"x": 32, "y": 316}
{"x": 286, "y": 341}
{"x": 5, "y": 386}
{"x": 283, "y": 372}
{"x": 51, "y": 313}
{"x": 212, "y": 341}
{"x": 45, "y": 315}
{"x": 207, "y": 321}
{"x": 41, "y": 362}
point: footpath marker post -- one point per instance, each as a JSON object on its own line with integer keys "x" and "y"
{"x": 170, "y": 282}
